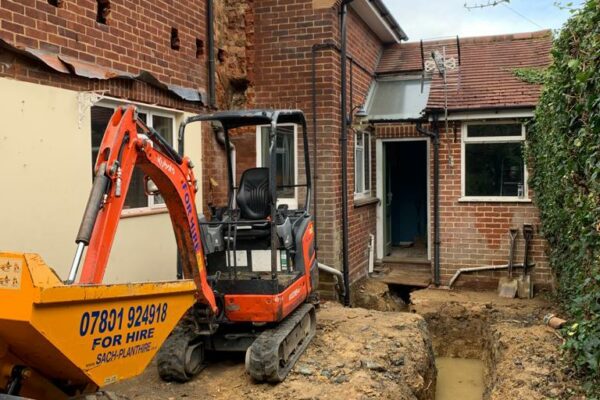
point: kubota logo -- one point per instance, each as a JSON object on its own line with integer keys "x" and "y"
{"x": 165, "y": 165}
{"x": 294, "y": 294}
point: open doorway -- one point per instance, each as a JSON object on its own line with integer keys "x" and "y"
{"x": 406, "y": 206}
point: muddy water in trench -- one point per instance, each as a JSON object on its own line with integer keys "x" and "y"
{"x": 459, "y": 379}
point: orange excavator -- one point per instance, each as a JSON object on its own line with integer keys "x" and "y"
{"x": 248, "y": 275}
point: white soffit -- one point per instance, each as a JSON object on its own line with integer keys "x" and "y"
{"x": 370, "y": 14}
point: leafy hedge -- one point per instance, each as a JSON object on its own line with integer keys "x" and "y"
{"x": 564, "y": 152}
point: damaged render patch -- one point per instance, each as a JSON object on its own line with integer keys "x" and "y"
{"x": 73, "y": 66}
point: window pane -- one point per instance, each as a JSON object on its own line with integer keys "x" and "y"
{"x": 367, "y": 157}
{"x": 136, "y": 197}
{"x": 164, "y": 126}
{"x": 494, "y": 169}
{"x": 488, "y": 130}
{"x": 358, "y": 170}
{"x": 100, "y": 118}
{"x": 285, "y": 152}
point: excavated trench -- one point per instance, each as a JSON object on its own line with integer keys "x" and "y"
{"x": 461, "y": 344}
{"x": 485, "y": 347}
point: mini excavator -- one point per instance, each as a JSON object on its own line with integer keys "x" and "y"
{"x": 248, "y": 275}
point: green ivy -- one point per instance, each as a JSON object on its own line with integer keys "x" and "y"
{"x": 564, "y": 153}
{"x": 531, "y": 75}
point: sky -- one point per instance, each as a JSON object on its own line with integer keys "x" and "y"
{"x": 427, "y": 19}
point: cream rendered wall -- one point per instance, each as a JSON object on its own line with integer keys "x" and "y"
{"x": 45, "y": 178}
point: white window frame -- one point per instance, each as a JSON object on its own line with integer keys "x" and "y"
{"x": 292, "y": 203}
{"x": 366, "y": 158}
{"x": 493, "y": 139}
{"x": 150, "y": 111}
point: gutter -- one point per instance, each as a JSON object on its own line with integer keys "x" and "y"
{"x": 497, "y": 108}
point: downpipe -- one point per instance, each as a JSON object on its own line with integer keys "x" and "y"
{"x": 344, "y": 144}
{"x": 435, "y": 137}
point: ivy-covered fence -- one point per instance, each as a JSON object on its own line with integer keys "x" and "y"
{"x": 564, "y": 154}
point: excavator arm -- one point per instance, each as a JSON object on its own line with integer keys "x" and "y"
{"x": 128, "y": 143}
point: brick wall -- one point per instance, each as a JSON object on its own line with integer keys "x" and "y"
{"x": 474, "y": 233}
{"x": 136, "y": 37}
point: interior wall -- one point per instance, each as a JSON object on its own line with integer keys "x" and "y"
{"x": 408, "y": 166}
{"x": 45, "y": 158}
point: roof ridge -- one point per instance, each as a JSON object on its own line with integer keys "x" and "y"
{"x": 504, "y": 37}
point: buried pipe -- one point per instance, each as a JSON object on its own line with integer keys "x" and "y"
{"x": 482, "y": 268}
{"x": 338, "y": 276}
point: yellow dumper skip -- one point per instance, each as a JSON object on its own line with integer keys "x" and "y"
{"x": 80, "y": 336}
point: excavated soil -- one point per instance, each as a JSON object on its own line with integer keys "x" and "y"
{"x": 522, "y": 356}
{"x": 375, "y": 295}
{"x": 356, "y": 354}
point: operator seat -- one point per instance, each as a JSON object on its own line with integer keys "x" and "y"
{"x": 254, "y": 202}
{"x": 253, "y": 197}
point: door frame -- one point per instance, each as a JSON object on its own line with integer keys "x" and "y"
{"x": 379, "y": 148}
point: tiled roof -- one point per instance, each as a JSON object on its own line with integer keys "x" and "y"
{"x": 485, "y": 79}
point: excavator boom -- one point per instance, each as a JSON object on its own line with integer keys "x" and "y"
{"x": 128, "y": 143}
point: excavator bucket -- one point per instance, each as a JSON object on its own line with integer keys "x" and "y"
{"x": 80, "y": 335}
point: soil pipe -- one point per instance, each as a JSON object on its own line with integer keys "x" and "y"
{"x": 210, "y": 34}
{"x": 479, "y": 269}
{"x": 344, "y": 144}
{"x": 337, "y": 274}
{"x": 435, "y": 137}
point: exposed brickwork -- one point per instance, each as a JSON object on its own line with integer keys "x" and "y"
{"x": 474, "y": 233}
{"x": 234, "y": 59}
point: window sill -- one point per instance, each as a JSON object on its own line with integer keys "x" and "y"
{"x": 362, "y": 201}
{"x": 493, "y": 200}
{"x": 143, "y": 211}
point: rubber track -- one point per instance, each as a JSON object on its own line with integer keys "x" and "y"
{"x": 263, "y": 357}
{"x": 171, "y": 356}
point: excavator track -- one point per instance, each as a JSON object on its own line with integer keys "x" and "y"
{"x": 181, "y": 356}
{"x": 275, "y": 351}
